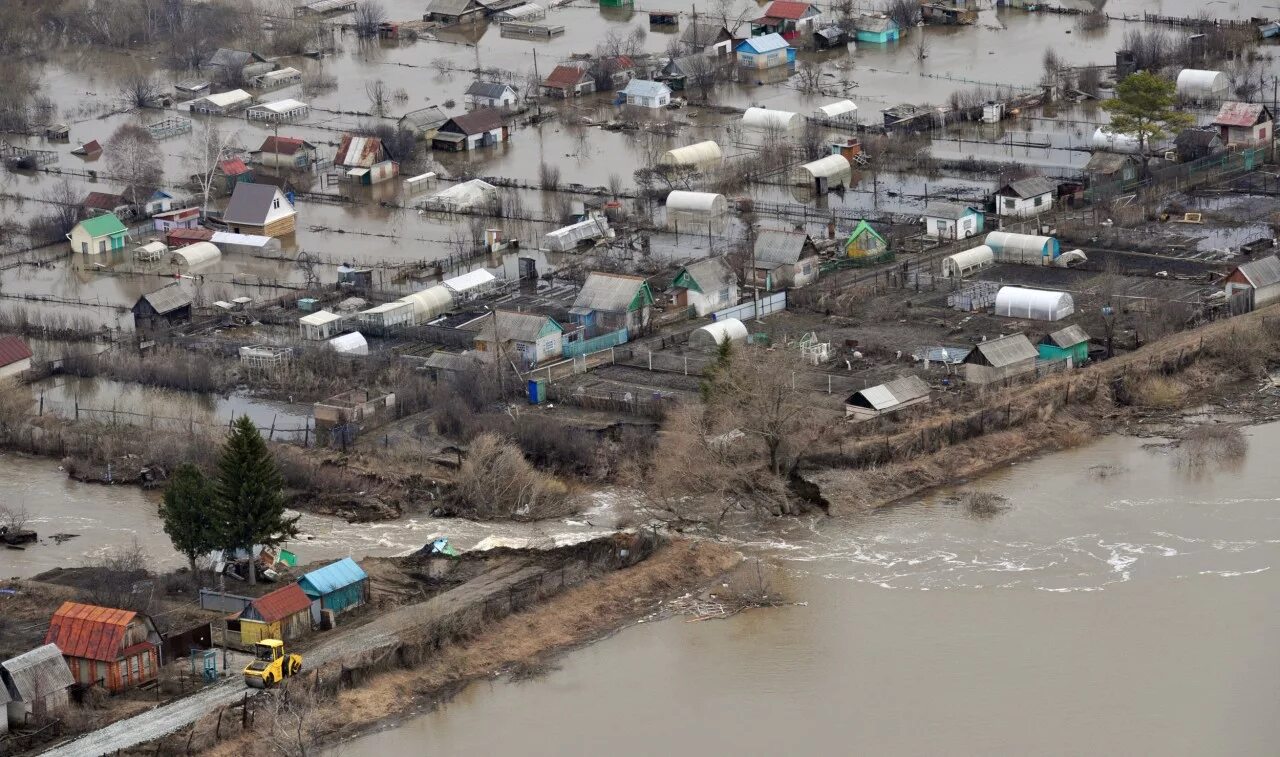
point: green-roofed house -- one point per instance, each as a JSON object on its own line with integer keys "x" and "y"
{"x": 865, "y": 242}
{"x": 97, "y": 235}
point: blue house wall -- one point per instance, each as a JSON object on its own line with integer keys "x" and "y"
{"x": 884, "y": 37}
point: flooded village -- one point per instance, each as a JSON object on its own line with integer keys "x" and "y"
{"x": 556, "y": 377}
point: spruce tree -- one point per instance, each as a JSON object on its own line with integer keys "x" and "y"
{"x": 190, "y": 514}
{"x": 250, "y": 493}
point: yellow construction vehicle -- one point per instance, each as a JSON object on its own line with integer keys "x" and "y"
{"x": 271, "y": 664}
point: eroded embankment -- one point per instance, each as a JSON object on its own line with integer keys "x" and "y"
{"x": 1053, "y": 413}
{"x": 424, "y": 653}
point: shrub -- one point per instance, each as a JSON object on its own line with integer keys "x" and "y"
{"x": 495, "y": 481}
{"x": 1158, "y": 392}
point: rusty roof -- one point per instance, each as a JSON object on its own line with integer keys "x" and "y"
{"x": 1241, "y": 114}
{"x": 103, "y": 201}
{"x": 88, "y": 631}
{"x": 564, "y": 77}
{"x": 233, "y": 167}
{"x": 283, "y": 145}
{"x": 358, "y": 152}
{"x": 786, "y": 9}
{"x": 279, "y": 604}
{"x": 13, "y": 350}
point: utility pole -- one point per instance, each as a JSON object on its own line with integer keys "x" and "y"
{"x": 538, "y": 78}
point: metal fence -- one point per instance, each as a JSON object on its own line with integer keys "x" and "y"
{"x": 595, "y": 343}
{"x": 758, "y": 308}
{"x": 1182, "y": 175}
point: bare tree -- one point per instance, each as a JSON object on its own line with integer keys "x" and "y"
{"x": 295, "y": 719}
{"x": 379, "y": 95}
{"x": 809, "y": 76}
{"x": 13, "y": 518}
{"x": 702, "y": 72}
{"x": 1090, "y": 81}
{"x": 121, "y": 578}
{"x": 368, "y": 17}
{"x": 615, "y": 184}
{"x": 133, "y": 156}
{"x": 548, "y": 176}
{"x": 140, "y": 91}
{"x": 495, "y": 481}
{"x": 210, "y": 147}
{"x": 905, "y": 13}
{"x": 922, "y": 45}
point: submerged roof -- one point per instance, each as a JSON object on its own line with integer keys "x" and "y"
{"x": 490, "y": 89}
{"x": 1005, "y": 351}
{"x": 103, "y": 201}
{"x": 358, "y": 152}
{"x": 35, "y": 674}
{"x": 1262, "y": 272}
{"x": 766, "y": 43}
{"x": 334, "y": 576}
{"x": 167, "y": 300}
{"x": 89, "y": 631}
{"x": 775, "y": 247}
{"x": 646, "y": 88}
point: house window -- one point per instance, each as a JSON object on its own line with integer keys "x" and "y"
{"x": 724, "y": 294}
{"x": 771, "y": 56}
{"x": 124, "y": 672}
{"x": 276, "y": 203}
{"x": 1039, "y": 200}
{"x": 1010, "y": 203}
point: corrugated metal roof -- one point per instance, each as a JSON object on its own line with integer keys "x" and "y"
{"x": 874, "y": 22}
{"x": 710, "y": 274}
{"x": 424, "y": 119}
{"x": 1241, "y": 114}
{"x": 103, "y": 201}
{"x": 167, "y": 300}
{"x": 227, "y": 57}
{"x": 946, "y": 210}
{"x": 646, "y": 88}
{"x": 88, "y": 631}
{"x": 251, "y": 203}
{"x": 13, "y": 350}
{"x": 227, "y": 99}
{"x": 775, "y": 247}
{"x": 280, "y": 604}
{"x": 564, "y": 77}
{"x": 477, "y": 121}
{"x": 35, "y": 674}
{"x": 608, "y": 292}
{"x": 319, "y": 318}
{"x": 358, "y": 152}
{"x": 232, "y": 167}
{"x": 490, "y": 89}
{"x": 703, "y": 33}
{"x": 1007, "y": 350}
{"x": 334, "y": 576}
{"x": 103, "y": 225}
{"x": 1263, "y": 272}
{"x": 517, "y": 327}
{"x": 766, "y": 43}
{"x": 1027, "y": 188}
{"x": 787, "y": 9}
{"x": 468, "y": 281}
{"x": 1068, "y": 337}
{"x": 897, "y": 392}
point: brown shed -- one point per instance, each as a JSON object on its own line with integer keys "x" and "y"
{"x": 103, "y": 645}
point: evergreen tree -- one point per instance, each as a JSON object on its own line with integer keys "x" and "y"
{"x": 250, "y": 493}
{"x": 190, "y": 515}
{"x": 1143, "y": 108}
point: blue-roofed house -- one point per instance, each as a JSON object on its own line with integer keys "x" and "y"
{"x": 339, "y": 586}
{"x": 765, "y": 52}
{"x": 645, "y": 94}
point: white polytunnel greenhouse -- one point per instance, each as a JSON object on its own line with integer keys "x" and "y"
{"x": 463, "y": 196}
{"x": 429, "y": 303}
{"x": 1196, "y": 84}
{"x": 766, "y": 119}
{"x": 706, "y": 204}
{"x": 845, "y": 110}
{"x": 1036, "y": 304}
{"x": 1023, "y": 248}
{"x": 350, "y": 344}
{"x": 715, "y": 334}
{"x": 968, "y": 262}
{"x": 195, "y": 255}
{"x": 699, "y": 154}
{"x": 568, "y": 237}
{"x": 1105, "y": 139}
{"x": 834, "y": 169}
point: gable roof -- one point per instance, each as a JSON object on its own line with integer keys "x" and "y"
{"x": 1241, "y": 114}
{"x": 775, "y": 247}
{"x": 706, "y": 275}
{"x": 1026, "y": 188}
{"x": 764, "y": 44}
{"x": 424, "y": 118}
{"x": 13, "y": 350}
{"x": 609, "y": 292}
{"x": 564, "y": 77}
{"x": 35, "y": 674}
{"x": 517, "y": 327}
{"x": 1195, "y": 137}
{"x": 284, "y": 145}
{"x": 1106, "y": 162}
{"x": 704, "y": 33}
{"x": 168, "y": 299}
{"x": 889, "y": 395}
{"x": 332, "y": 577}
{"x": 452, "y": 7}
{"x": 251, "y": 203}
{"x": 279, "y": 604}
{"x": 1262, "y": 272}
{"x": 865, "y": 228}
{"x": 645, "y": 88}
{"x": 949, "y": 211}
{"x": 787, "y": 9}
{"x": 875, "y": 22}
{"x": 88, "y": 631}
{"x": 477, "y": 121}
{"x": 103, "y": 225}
{"x": 358, "y": 152}
{"x": 226, "y": 57}
{"x": 232, "y": 167}
{"x": 1005, "y": 351}
{"x": 490, "y": 89}
{"x": 1068, "y": 337}
{"x": 103, "y": 201}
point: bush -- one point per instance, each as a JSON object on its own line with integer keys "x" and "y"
{"x": 1212, "y": 445}
{"x": 1158, "y": 392}
{"x": 495, "y": 481}
{"x": 984, "y": 504}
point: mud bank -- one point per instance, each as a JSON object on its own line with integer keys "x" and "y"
{"x": 1159, "y": 382}
{"x": 515, "y": 623}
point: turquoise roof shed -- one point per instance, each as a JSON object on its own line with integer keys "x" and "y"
{"x": 340, "y": 586}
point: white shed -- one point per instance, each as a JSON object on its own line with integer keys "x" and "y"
{"x": 823, "y": 173}
{"x": 350, "y": 344}
{"x": 195, "y": 255}
{"x": 965, "y": 263}
{"x": 841, "y": 110}
{"x": 1036, "y": 304}
{"x": 1105, "y": 139}
{"x": 429, "y": 303}
{"x": 318, "y": 326}
{"x": 715, "y": 334}
{"x": 766, "y": 119}
{"x": 387, "y": 318}
{"x": 700, "y": 154}
{"x": 1196, "y": 84}
{"x": 706, "y": 204}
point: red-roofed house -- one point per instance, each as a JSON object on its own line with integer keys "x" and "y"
{"x": 1244, "y": 123}
{"x": 285, "y": 152}
{"x": 102, "y": 645}
{"x": 233, "y": 171}
{"x": 787, "y": 18}
{"x": 283, "y": 614}
{"x": 105, "y": 202}
{"x": 15, "y": 356}
{"x": 568, "y": 81}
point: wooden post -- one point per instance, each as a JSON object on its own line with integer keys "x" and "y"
{"x": 271, "y": 436}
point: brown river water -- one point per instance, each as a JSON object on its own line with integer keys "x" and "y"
{"x": 1122, "y": 604}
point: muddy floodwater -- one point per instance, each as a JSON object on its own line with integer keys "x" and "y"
{"x": 1124, "y": 603}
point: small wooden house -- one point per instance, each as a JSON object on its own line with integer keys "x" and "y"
{"x": 613, "y": 301}
{"x": 705, "y": 286}
{"x": 98, "y": 235}
{"x": 115, "y": 649}
{"x": 260, "y": 209}
{"x": 782, "y": 259}
{"x": 1025, "y": 197}
{"x": 285, "y": 152}
{"x": 1244, "y": 124}
{"x": 15, "y": 356}
{"x": 34, "y": 685}
{"x": 483, "y": 127}
{"x": 769, "y": 51}
{"x": 339, "y": 586}
{"x": 1000, "y": 360}
{"x": 233, "y": 171}
{"x": 568, "y": 81}
{"x": 489, "y": 94}
{"x": 1071, "y": 342}
{"x": 884, "y": 399}
{"x": 1193, "y": 144}
{"x": 865, "y": 242}
{"x": 788, "y": 18}
{"x": 284, "y": 614}
{"x": 527, "y": 338}
{"x": 705, "y": 37}
{"x": 162, "y": 308}
{"x": 1256, "y": 283}
{"x": 947, "y": 221}
{"x": 876, "y": 28}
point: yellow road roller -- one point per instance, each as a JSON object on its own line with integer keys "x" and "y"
{"x": 271, "y": 664}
